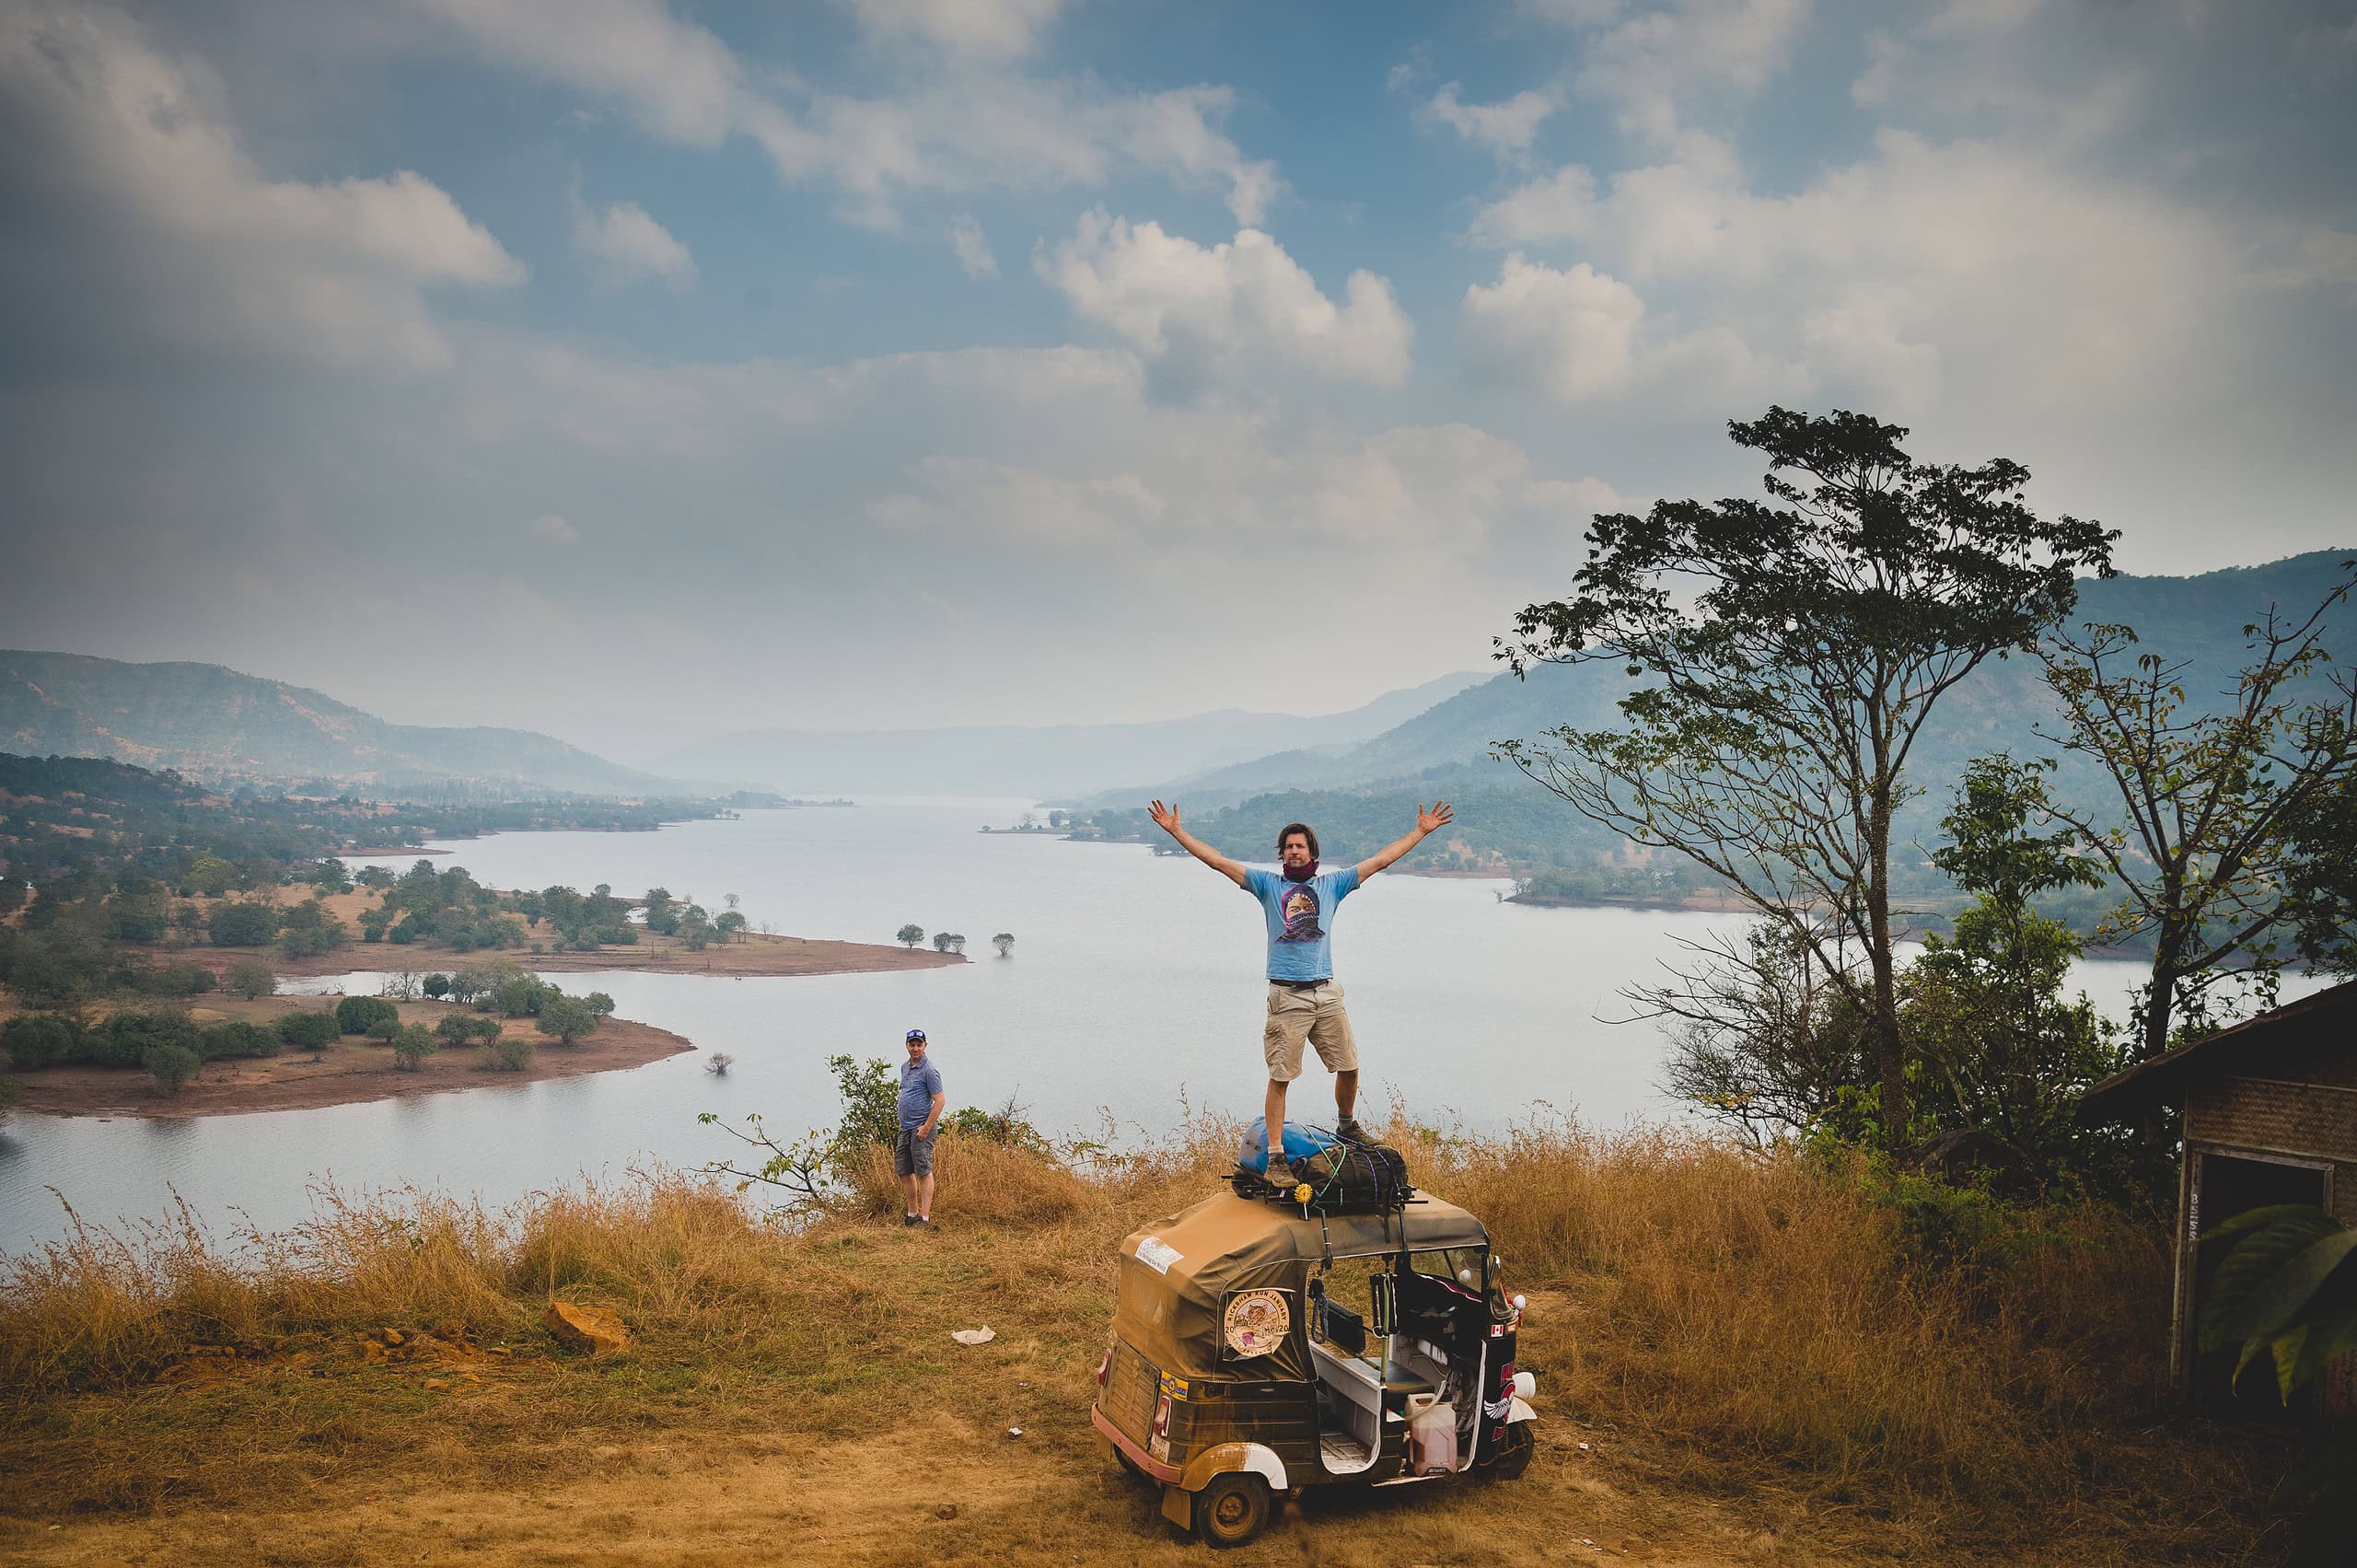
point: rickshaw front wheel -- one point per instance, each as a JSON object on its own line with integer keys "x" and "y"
{"x": 1232, "y": 1509}
{"x": 1511, "y": 1455}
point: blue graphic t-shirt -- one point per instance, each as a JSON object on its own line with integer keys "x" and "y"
{"x": 1300, "y": 914}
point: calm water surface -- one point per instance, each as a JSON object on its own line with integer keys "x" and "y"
{"x": 1133, "y": 989}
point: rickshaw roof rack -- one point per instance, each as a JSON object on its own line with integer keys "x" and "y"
{"x": 1250, "y": 1183}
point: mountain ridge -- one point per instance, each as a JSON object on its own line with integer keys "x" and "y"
{"x": 212, "y": 723}
{"x": 1037, "y": 761}
{"x": 2197, "y": 619}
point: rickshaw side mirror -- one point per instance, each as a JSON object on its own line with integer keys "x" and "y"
{"x": 1383, "y": 1304}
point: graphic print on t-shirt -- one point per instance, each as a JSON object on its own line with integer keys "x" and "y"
{"x": 1300, "y": 910}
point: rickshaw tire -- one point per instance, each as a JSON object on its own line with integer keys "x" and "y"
{"x": 1513, "y": 1456}
{"x": 1232, "y": 1509}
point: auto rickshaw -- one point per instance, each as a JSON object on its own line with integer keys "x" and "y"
{"x": 1261, "y": 1347}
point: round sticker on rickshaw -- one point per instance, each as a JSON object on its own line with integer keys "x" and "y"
{"x": 1256, "y": 1321}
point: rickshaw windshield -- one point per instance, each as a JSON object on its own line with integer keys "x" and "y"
{"x": 1460, "y": 1266}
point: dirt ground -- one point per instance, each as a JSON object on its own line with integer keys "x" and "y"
{"x": 351, "y": 1070}
{"x": 947, "y": 1486}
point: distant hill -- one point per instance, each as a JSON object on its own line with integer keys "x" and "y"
{"x": 1056, "y": 759}
{"x": 218, "y": 726}
{"x": 2198, "y": 619}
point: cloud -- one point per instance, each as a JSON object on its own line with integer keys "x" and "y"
{"x": 1507, "y": 128}
{"x": 973, "y": 247}
{"x": 627, "y": 245}
{"x": 550, "y": 529}
{"x": 1570, "y": 334}
{"x": 1580, "y": 334}
{"x": 991, "y": 29}
{"x": 205, "y": 251}
{"x": 1660, "y": 61}
{"x": 1202, "y": 311}
{"x": 956, "y": 133}
{"x": 1929, "y": 269}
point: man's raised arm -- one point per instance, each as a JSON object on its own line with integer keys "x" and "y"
{"x": 1440, "y": 815}
{"x": 1166, "y": 818}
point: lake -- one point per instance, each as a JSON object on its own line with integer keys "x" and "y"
{"x": 1133, "y": 990}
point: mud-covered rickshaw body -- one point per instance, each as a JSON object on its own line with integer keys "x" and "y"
{"x": 1259, "y": 1350}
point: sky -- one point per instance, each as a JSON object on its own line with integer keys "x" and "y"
{"x": 636, "y": 370}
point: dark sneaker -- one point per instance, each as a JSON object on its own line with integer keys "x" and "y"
{"x": 1348, "y": 1130}
{"x": 907, "y": 1219}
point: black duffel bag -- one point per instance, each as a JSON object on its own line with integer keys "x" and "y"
{"x": 1353, "y": 1177}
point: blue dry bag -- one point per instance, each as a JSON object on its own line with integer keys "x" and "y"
{"x": 1299, "y": 1141}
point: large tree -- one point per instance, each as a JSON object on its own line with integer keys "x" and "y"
{"x": 2230, "y": 805}
{"x": 1785, "y": 654}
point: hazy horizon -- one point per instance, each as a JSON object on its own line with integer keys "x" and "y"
{"x": 638, "y": 372}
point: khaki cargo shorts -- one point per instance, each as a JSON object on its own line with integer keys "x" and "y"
{"x": 1312, "y": 1013}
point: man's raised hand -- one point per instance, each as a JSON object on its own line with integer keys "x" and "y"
{"x": 1440, "y": 815}
{"x": 1165, "y": 818}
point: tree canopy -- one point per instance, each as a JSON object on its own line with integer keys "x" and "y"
{"x": 1784, "y": 655}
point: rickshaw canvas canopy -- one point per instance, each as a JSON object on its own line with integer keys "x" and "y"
{"x": 1177, "y": 1274}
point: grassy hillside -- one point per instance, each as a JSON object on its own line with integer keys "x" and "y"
{"x": 1739, "y": 1361}
{"x": 219, "y": 726}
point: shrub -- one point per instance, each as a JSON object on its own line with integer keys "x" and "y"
{"x": 236, "y": 1038}
{"x": 250, "y": 977}
{"x": 243, "y": 925}
{"x": 40, "y": 1039}
{"x": 172, "y": 1065}
{"x": 460, "y": 1027}
{"x": 521, "y": 995}
{"x": 437, "y": 986}
{"x": 413, "y": 1045}
{"x": 509, "y": 1053}
{"x": 127, "y": 1038}
{"x": 367, "y": 1016}
{"x": 308, "y": 1031}
{"x": 173, "y": 979}
{"x": 309, "y": 928}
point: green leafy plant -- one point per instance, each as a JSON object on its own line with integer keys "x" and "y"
{"x": 2286, "y": 1288}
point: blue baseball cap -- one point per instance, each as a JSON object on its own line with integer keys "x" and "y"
{"x": 916, "y": 1034}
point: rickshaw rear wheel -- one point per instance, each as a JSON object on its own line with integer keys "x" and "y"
{"x": 1511, "y": 1455}
{"x": 1232, "y": 1509}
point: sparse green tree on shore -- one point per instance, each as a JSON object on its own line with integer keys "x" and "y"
{"x": 911, "y": 934}
{"x": 1785, "y": 655}
{"x": 172, "y": 1065}
{"x": 413, "y": 1045}
{"x": 2218, "y": 801}
{"x": 250, "y": 977}
{"x": 566, "y": 1019}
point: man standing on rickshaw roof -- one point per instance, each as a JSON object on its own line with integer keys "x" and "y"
{"x": 1304, "y": 1002}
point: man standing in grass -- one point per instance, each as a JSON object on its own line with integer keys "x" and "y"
{"x": 920, "y": 1103}
{"x": 1304, "y": 1002}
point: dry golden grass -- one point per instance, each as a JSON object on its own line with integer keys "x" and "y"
{"x": 1745, "y": 1342}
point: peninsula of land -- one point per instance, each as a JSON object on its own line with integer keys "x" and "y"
{"x": 348, "y": 1070}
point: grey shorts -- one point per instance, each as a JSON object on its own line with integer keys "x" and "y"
{"x": 912, "y": 1156}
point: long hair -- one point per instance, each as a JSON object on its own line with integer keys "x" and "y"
{"x": 1305, "y": 829}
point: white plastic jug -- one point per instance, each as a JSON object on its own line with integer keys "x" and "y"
{"x": 1432, "y": 1434}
